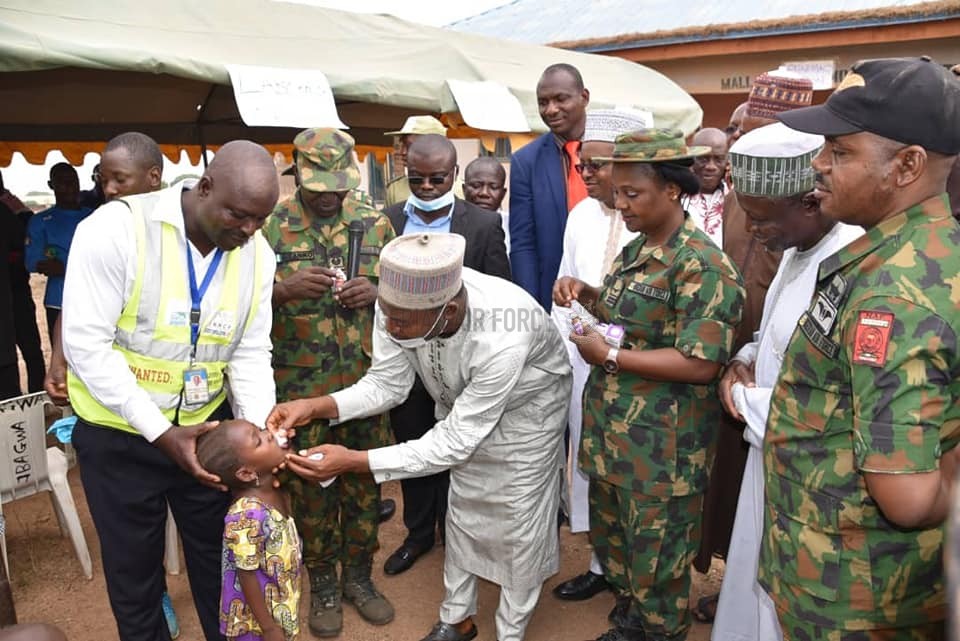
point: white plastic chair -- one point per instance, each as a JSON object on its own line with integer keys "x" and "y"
{"x": 27, "y": 467}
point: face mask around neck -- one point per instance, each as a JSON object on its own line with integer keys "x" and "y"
{"x": 421, "y": 341}
{"x": 432, "y": 205}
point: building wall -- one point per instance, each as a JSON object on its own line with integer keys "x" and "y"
{"x": 719, "y": 74}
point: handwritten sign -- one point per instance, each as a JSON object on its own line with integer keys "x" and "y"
{"x": 21, "y": 446}
{"x": 819, "y": 72}
{"x": 280, "y": 97}
{"x": 489, "y": 106}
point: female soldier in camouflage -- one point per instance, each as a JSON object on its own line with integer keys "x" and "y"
{"x": 650, "y": 408}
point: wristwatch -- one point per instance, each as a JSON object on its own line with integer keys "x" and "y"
{"x": 610, "y": 365}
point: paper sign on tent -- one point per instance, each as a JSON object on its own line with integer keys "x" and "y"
{"x": 489, "y": 106}
{"x": 280, "y": 97}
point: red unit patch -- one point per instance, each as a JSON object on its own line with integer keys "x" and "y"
{"x": 872, "y": 337}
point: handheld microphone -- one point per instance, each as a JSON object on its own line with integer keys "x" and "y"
{"x": 355, "y": 234}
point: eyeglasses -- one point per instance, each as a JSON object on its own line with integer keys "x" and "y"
{"x": 436, "y": 179}
{"x": 592, "y": 165}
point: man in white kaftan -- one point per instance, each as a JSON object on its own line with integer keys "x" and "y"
{"x": 594, "y": 236}
{"x": 496, "y": 366}
{"x": 772, "y": 177}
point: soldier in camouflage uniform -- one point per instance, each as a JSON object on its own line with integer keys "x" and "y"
{"x": 322, "y": 341}
{"x": 858, "y": 452}
{"x": 649, "y": 408}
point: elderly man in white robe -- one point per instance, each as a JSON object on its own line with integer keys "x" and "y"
{"x": 496, "y": 366}
{"x": 773, "y": 180}
{"x": 594, "y": 237}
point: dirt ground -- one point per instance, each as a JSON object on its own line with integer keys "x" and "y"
{"x": 49, "y": 586}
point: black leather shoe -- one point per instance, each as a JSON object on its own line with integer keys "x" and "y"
{"x": 404, "y": 558}
{"x": 387, "y": 508}
{"x": 581, "y": 587}
{"x": 447, "y": 632}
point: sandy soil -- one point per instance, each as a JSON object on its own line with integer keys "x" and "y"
{"x": 49, "y": 586}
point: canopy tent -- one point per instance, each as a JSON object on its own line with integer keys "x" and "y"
{"x": 77, "y": 73}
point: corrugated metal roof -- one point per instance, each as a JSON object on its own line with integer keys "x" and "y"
{"x": 552, "y": 21}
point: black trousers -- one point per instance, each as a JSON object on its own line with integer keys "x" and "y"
{"x": 424, "y": 498}
{"x": 128, "y": 483}
{"x": 25, "y": 328}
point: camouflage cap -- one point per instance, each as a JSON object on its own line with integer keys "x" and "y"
{"x": 420, "y": 125}
{"x": 325, "y": 160}
{"x": 653, "y": 145}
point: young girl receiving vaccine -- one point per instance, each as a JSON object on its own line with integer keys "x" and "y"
{"x": 260, "y": 597}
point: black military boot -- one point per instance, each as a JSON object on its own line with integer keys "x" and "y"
{"x": 618, "y": 614}
{"x": 326, "y": 613}
{"x": 630, "y": 629}
{"x": 359, "y": 590}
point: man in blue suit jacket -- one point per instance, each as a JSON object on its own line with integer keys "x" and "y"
{"x": 538, "y": 183}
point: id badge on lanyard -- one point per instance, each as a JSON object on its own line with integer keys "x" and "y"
{"x": 196, "y": 384}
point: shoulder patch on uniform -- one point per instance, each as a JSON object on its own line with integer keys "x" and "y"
{"x": 872, "y": 337}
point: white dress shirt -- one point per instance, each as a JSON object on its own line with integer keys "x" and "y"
{"x": 99, "y": 282}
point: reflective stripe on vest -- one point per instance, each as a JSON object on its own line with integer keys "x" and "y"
{"x": 153, "y": 332}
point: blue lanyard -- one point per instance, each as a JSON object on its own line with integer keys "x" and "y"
{"x": 196, "y": 295}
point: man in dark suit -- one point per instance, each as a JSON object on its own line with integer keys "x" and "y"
{"x": 544, "y": 185}
{"x": 433, "y": 207}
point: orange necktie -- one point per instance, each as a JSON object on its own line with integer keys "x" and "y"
{"x": 576, "y": 190}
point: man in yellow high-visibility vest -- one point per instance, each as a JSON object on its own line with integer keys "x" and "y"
{"x": 167, "y": 317}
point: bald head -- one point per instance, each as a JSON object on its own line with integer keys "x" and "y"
{"x": 484, "y": 183}
{"x": 710, "y": 137}
{"x": 431, "y": 169}
{"x": 247, "y": 168}
{"x": 711, "y": 167}
{"x": 734, "y": 129}
{"x": 485, "y": 164}
{"x": 432, "y": 145}
{"x": 233, "y": 199}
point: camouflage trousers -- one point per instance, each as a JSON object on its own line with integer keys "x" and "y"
{"x": 646, "y": 545}
{"x": 339, "y": 522}
{"x": 802, "y": 629}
